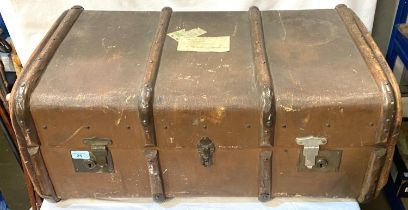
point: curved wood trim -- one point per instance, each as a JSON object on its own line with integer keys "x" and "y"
{"x": 23, "y": 124}
{"x": 392, "y": 110}
{"x": 397, "y": 112}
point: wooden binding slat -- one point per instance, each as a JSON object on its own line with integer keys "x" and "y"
{"x": 392, "y": 112}
{"x": 263, "y": 78}
{"x": 145, "y": 105}
{"x": 23, "y": 124}
{"x": 265, "y": 176}
{"x": 154, "y": 171}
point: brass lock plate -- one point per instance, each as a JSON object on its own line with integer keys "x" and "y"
{"x": 97, "y": 159}
{"x": 326, "y": 161}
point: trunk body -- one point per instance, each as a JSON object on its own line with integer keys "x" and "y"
{"x": 302, "y": 103}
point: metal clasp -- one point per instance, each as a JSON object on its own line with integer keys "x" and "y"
{"x": 206, "y": 150}
{"x": 99, "y": 158}
{"x": 99, "y": 149}
{"x": 311, "y": 146}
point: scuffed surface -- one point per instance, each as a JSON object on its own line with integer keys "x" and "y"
{"x": 99, "y": 63}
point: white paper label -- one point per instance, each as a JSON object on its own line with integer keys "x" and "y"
{"x": 204, "y": 44}
{"x": 192, "y": 41}
{"x": 84, "y": 155}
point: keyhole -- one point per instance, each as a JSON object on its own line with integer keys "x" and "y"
{"x": 90, "y": 164}
{"x": 322, "y": 163}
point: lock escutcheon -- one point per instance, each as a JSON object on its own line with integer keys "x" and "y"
{"x": 206, "y": 151}
{"x": 98, "y": 158}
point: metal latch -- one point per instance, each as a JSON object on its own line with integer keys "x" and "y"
{"x": 310, "y": 148}
{"x": 99, "y": 158}
{"x": 206, "y": 150}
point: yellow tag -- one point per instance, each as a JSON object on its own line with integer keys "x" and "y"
{"x": 204, "y": 44}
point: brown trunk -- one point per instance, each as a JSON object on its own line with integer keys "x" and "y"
{"x": 302, "y": 103}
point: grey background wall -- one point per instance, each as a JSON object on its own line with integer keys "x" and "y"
{"x": 383, "y": 21}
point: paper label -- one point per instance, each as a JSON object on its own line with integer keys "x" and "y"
{"x": 183, "y": 33}
{"x": 204, "y": 44}
{"x": 83, "y": 155}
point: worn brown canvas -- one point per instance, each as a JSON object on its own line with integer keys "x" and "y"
{"x": 116, "y": 104}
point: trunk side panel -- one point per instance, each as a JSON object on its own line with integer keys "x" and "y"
{"x": 321, "y": 83}
{"x": 91, "y": 88}
{"x": 211, "y": 93}
{"x": 347, "y": 182}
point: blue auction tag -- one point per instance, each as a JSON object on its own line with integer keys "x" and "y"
{"x": 84, "y": 155}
